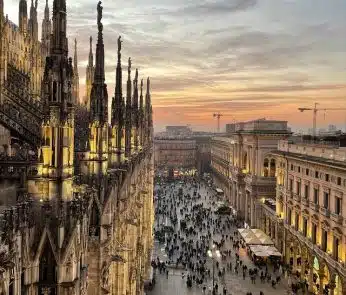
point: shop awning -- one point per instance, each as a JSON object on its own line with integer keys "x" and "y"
{"x": 255, "y": 237}
{"x": 264, "y": 251}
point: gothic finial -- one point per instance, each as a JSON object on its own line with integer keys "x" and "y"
{"x": 129, "y": 67}
{"x": 136, "y": 76}
{"x": 91, "y": 41}
{"x": 141, "y": 86}
{"x": 36, "y": 4}
{"x": 119, "y": 44}
{"x": 148, "y": 85}
{"x": 99, "y": 16}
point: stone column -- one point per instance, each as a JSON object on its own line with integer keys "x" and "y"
{"x": 287, "y": 253}
{"x": 332, "y": 286}
{"x": 253, "y": 211}
{"x": 294, "y": 259}
{"x": 245, "y": 208}
{"x": 322, "y": 278}
{"x": 302, "y": 271}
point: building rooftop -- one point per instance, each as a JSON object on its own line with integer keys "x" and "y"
{"x": 259, "y": 126}
{"x": 328, "y": 153}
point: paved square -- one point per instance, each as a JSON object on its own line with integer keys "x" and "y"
{"x": 175, "y": 284}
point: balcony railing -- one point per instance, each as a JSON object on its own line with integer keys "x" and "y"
{"x": 337, "y": 218}
{"x": 305, "y": 201}
{"x": 325, "y": 211}
{"x": 269, "y": 210}
{"x": 260, "y": 180}
{"x": 314, "y": 206}
{"x": 297, "y": 197}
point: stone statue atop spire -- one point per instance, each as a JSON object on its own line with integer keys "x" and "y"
{"x": 99, "y": 95}
{"x": 99, "y": 16}
{"x": 119, "y": 46}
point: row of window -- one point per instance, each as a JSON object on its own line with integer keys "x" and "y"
{"x": 324, "y": 238}
{"x": 316, "y": 196}
{"x": 318, "y": 174}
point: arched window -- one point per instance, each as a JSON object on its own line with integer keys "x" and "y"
{"x": 94, "y": 222}
{"x": 272, "y": 168}
{"x": 47, "y": 272}
{"x": 244, "y": 160}
{"x": 55, "y": 90}
{"x": 266, "y": 167}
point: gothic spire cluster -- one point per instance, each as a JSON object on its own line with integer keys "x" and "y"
{"x": 130, "y": 122}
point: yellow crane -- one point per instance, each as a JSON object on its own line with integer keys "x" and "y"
{"x": 315, "y": 110}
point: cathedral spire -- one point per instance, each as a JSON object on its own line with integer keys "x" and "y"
{"x": 32, "y": 24}
{"x": 90, "y": 71}
{"x": 99, "y": 95}
{"x": 91, "y": 57}
{"x": 46, "y": 32}
{"x": 99, "y": 66}
{"x": 148, "y": 112}
{"x": 116, "y": 103}
{"x": 75, "y": 75}
{"x": 141, "y": 116}
{"x": 135, "y": 121}
{"x": 128, "y": 119}
{"x": 23, "y": 16}
{"x": 59, "y": 39}
{"x": 46, "y": 11}
{"x": 75, "y": 59}
{"x": 58, "y": 123}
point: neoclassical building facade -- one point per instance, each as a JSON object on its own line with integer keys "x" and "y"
{"x": 81, "y": 221}
{"x": 311, "y": 209}
{"x": 175, "y": 152}
{"x": 243, "y": 166}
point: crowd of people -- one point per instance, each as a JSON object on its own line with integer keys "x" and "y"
{"x": 205, "y": 245}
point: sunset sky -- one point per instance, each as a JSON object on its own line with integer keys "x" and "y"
{"x": 245, "y": 58}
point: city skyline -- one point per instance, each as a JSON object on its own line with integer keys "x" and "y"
{"x": 254, "y": 58}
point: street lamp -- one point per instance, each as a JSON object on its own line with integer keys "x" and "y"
{"x": 214, "y": 253}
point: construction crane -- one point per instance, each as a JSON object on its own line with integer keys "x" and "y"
{"x": 315, "y": 110}
{"x": 217, "y": 116}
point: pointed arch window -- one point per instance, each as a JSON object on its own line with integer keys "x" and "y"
{"x": 47, "y": 270}
{"x": 55, "y": 91}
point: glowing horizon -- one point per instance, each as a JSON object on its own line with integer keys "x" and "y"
{"x": 244, "y": 58}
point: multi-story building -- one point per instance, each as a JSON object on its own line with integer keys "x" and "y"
{"x": 175, "y": 153}
{"x": 203, "y": 153}
{"x": 178, "y": 131}
{"x": 243, "y": 166}
{"x": 311, "y": 206}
